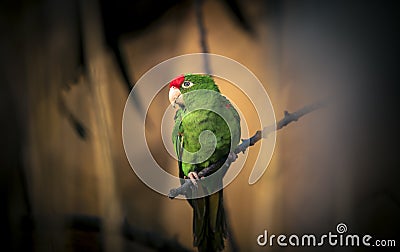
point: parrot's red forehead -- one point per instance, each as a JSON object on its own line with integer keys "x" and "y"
{"x": 177, "y": 81}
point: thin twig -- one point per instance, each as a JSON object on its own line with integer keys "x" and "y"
{"x": 288, "y": 118}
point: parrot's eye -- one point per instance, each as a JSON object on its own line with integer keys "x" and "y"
{"x": 187, "y": 84}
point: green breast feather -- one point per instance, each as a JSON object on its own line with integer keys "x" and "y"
{"x": 190, "y": 123}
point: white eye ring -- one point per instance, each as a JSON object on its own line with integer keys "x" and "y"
{"x": 187, "y": 84}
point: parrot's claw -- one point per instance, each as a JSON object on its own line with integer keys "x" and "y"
{"x": 193, "y": 177}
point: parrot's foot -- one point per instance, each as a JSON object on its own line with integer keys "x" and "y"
{"x": 193, "y": 177}
{"x": 232, "y": 156}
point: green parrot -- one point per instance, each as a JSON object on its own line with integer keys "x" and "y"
{"x": 207, "y": 128}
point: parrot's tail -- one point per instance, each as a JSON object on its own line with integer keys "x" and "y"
{"x": 209, "y": 222}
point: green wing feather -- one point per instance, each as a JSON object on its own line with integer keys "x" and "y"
{"x": 193, "y": 123}
{"x": 177, "y": 140}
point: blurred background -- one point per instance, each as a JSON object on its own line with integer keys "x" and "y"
{"x": 66, "y": 71}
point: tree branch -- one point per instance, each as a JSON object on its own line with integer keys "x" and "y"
{"x": 288, "y": 118}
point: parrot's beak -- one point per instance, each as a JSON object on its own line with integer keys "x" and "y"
{"x": 175, "y": 96}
